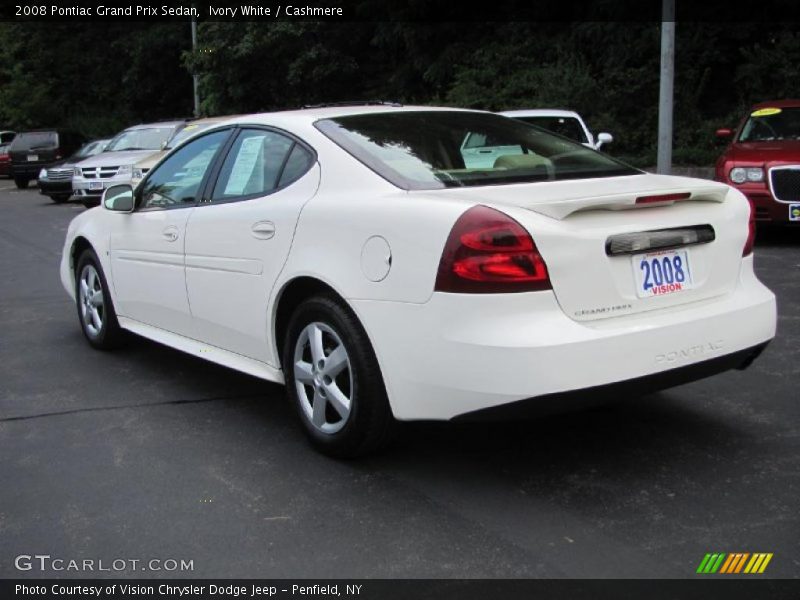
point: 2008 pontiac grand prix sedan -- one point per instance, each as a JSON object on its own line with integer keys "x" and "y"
{"x": 358, "y": 255}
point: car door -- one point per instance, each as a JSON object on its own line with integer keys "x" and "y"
{"x": 147, "y": 245}
{"x": 239, "y": 237}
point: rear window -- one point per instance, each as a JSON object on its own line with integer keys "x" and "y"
{"x": 426, "y": 150}
{"x": 35, "y": 140}
{"x": 567, "y": 126}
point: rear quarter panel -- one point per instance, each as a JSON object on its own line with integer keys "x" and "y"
{"x": 352, "y": 205}
{"x": 334, "y": 227}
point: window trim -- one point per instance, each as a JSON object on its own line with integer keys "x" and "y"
{"x": 223, "y": 149}
{"x": 240, "y": 129}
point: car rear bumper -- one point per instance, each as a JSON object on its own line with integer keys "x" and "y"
{"x": 638, "y": 386}
{"x": 28, "y": 170}
{"x": 459, "y": 354}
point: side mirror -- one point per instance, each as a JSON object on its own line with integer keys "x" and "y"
{"x": 119, "y": 198}
{"x": 724, "y": 133}
{"x": 604, "y": 138}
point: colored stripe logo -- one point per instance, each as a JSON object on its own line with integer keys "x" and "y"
{"x": 735, "y": 562}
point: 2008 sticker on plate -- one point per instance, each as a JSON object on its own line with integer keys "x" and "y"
{"x": 662, "y": 273}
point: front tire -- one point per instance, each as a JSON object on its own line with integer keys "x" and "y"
{"x": 21, "y": 182}
{"x": 333, "y": 380}
{"x": 95, "y": 310}
{"x": 59, "y": 199}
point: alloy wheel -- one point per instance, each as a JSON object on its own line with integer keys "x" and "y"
{"x": 323, "y": 377}
{"x": 90, "y": 299}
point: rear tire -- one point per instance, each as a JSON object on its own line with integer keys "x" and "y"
{"x": 333, "y": 380}
{"x": 21, "y": 182}
{"x": 96, "y": 312}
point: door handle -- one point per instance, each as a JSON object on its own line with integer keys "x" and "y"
{"x": 170, "y": 234}
{"x": 263, "y": 230}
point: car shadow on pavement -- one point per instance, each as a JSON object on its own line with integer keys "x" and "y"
{"x": 200, "y": 378}
{"x": 645, "y": 424}
{"x": 656, "y": 430}
{"x": 777, "y": 236}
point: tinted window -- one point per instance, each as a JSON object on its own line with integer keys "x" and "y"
{"x": 177, "y": 180}
{"x": 297, "y": 164}
{"x": 7, "y": 137}
{"x": 430, "y": 149}
{"x": 35, "y": 140}
{"x": 567, "y": 126}
{"x": 254, "y": 165}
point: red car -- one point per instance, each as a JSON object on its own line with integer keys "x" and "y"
{"x": 6, "y": 137}
{"x": 763, "y": 161}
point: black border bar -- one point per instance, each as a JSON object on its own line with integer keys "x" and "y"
{"x": 411, "y": 11}
{"x": 701, "y": 587}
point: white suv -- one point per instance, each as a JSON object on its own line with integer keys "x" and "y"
{"x": 563, "y": 122}
{"x": 115, "y": 165}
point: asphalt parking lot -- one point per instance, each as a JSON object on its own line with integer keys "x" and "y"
{"x": 148, "y": 453}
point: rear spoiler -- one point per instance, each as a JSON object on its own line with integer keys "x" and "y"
{"x": 626, "y": 201}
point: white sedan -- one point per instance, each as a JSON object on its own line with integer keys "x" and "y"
{"x": 350, "y": 253}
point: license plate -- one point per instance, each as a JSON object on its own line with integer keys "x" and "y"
{"x": 662, "y": 273}
{"x": 33, "y": 157}
{"x": 95, "y": 185}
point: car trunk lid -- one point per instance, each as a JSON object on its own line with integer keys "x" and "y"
{"x": 599, "y": 244}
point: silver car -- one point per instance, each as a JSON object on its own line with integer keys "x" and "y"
{"x": 115, "y": 165}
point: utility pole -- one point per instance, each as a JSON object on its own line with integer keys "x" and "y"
{"x": 665, "y": 93}
{"x": 194, "y": 71}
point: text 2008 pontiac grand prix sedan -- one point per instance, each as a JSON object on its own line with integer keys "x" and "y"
{"x": 353, "y": 254}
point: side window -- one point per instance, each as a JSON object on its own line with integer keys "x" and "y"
{"x": 254, "y": 165}
{"x": 177, "y": 180}
{"x": 474, "y": 140}
{"x": 297, "y": 164}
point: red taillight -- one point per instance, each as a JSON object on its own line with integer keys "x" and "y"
{"x": 663, "y": 198}
{"x": 489, "y": 252}
{"x": 751, "y": 231}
